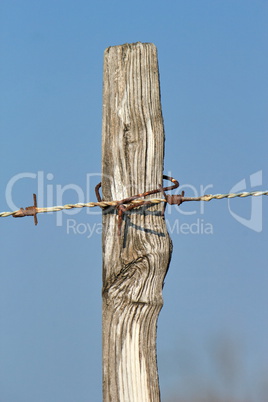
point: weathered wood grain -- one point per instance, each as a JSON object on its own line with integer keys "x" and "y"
{"x": 135, "y": 263}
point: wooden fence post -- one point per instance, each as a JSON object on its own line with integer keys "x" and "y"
{"x": 135, "y": 263}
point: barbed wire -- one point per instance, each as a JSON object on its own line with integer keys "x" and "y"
{"x": 103, "y": 204}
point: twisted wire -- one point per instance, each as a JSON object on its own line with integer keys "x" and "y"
{"x": 103, "y": 204}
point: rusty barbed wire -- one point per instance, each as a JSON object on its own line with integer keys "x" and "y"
{"x": 103, "y": 204}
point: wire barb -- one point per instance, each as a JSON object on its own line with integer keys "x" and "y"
{"x": 28, "y": 211}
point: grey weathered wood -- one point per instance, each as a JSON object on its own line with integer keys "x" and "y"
{"x": 135, "y": 263}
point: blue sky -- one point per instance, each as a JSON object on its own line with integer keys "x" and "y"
{"x": 213, "y": 70}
